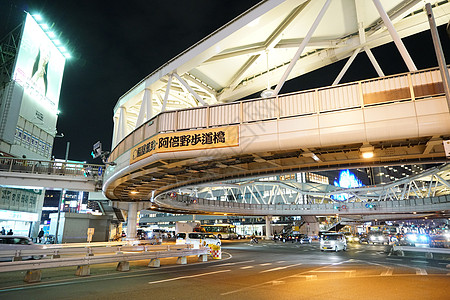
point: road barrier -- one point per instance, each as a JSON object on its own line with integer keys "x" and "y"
{"x": 400, "y": 250}
{"x": 123, "y": 255}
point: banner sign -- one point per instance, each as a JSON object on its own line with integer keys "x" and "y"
{"x": 186, "y": 140}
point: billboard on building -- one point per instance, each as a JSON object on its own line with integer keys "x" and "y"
{"x": 39, "y": 70}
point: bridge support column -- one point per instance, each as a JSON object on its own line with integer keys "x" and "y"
{"x": 132, "y": 220}
{"x": 268, "y": 227}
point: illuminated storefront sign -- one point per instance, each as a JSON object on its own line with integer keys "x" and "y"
{"x": 186, "y": 140}
{"x": 18, "y": 216}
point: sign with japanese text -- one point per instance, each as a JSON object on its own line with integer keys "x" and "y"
{"x": 186, "y": 140}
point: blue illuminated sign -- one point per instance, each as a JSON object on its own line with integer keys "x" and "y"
{"x": 346, "y": 180}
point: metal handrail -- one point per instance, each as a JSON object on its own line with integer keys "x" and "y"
{"x": 49, "y": 167}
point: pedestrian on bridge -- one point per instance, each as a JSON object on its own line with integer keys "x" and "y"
{"x": 10, "y": 232}
{"x": 3, "y": 232}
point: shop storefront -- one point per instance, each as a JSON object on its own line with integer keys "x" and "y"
{"x": 18, "y": 221}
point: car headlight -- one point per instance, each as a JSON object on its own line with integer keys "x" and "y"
{"x": 356, "y": 239}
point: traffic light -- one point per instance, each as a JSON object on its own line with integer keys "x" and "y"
{"x": 337, "y": 207}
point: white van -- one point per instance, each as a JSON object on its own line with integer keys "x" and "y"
{"x": 197, "y": 239}
{"x": 333, "y": 242}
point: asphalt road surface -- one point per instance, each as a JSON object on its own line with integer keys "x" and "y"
{"x": 266, "y": 270}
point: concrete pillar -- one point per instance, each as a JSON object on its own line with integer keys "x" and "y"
{"x": 123, "y": 266}
{"x": 83, "y": 271}
{"x": 268, "y": 227}
{"x": 132, "y": 220}
{"x": 203, "y": 257}
{"x": 33, "y": 276}
{"x": 155, "y": 263}
{"x": 182, "y": 260}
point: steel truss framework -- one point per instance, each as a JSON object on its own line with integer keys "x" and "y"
{"x": 430, "y": 183}
{"x": 274, "y": 52}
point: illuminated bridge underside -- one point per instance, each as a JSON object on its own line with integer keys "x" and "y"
{"x": 427, "y": 192}
{"x": 327, "y": 128}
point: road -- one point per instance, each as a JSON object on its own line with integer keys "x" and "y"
{"x": 266, "y": 270}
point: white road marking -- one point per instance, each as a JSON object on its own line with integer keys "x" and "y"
{"x": 388, "y": 272}
{"x": 264, "y": 283}
{"x": 420, "y": 261}
{"x": 360, "y": 251}
{"x": 246, "y": 267}
{"x": 348, "y": 273}
{"x": 308, "y": 277}
{"x": 186, "y": 277}
{"x": 279, "y": 268}
{"x": 265, "y": 264}
{"x": 233, "y": 263}
{"x": 421, "y": 272}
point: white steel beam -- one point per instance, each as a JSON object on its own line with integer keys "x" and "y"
{"x": 374, "y": 62}
{"x": 398, "y": 42}
{"x": 346, "y": 66}
{"x": 301, "y": 47}
{"x": 166, "y": 95}
{"x": 189, "y": 88}
{"x": 146, "y": 109}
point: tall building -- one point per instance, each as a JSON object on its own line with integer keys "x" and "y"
{"x": 32, "y": 63}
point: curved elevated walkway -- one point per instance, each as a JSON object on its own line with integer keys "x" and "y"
{"x": 402, "y": 119}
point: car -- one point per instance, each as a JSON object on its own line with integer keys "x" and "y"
{"x": 378, "y": 238}
{"x": 197, "y": 239}
{"x": 304, "y": 239}
{"x": 364, "y": 238}
{"x": 18, "y": 243}
{"x": 333, "y": 242}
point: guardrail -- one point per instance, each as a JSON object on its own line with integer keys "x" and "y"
{"x": 122, "y": 256}
{"x": 400, "y": 250}
{"x": 400, "y": 87}
{"x": 55, "y": 251}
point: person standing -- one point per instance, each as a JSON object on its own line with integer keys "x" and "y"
{"x": 10, "y": 232}
{"x": 3, "y": 232}
{"x": 40, "y": 235}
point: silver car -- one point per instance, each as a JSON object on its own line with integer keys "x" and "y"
{"x": 11, "y": 244}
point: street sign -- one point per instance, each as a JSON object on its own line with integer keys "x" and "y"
{"x": 100, "y": 171}
{"x": 97, "y": 150}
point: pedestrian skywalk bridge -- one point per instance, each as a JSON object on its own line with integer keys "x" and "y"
{"x": 399, "y": 119}
{"x": 74, "y": 176}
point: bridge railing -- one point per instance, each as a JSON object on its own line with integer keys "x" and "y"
{"x": 407, "y": 86}
{"x": 338, "y": 207}
{"x": 49, "y": 167}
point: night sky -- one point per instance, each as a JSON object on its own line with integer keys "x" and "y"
{"x": 115, "y": 44}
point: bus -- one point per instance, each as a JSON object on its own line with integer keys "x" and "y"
{"x": 222, "y": 231}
